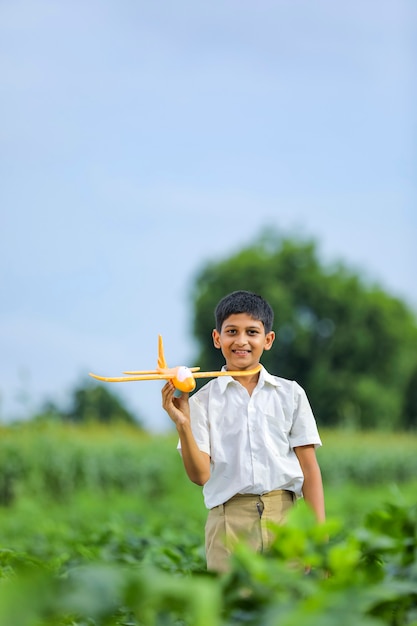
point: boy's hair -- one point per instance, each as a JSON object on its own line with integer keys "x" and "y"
{"x": 244, "y": 302}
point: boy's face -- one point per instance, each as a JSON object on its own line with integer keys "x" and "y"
{"x": 242, "y": 341}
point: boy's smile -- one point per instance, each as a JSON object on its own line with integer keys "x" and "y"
{"x": 242, "y": 340}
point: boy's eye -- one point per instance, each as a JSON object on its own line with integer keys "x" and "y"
{"x": 250, "y": 331}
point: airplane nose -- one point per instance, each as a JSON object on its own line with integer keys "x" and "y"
{"x": 186, "y": 385}
{"x": 184, "y": 380}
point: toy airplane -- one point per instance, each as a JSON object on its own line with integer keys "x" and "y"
{"x": 182, "y": 377}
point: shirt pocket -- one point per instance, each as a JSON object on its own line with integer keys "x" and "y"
{"x": 277, "y": 431}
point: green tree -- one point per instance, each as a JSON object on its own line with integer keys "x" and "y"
{"x": 90, "y": 403}
{"x": 97, "y": 403}
{"x": 349, "y": 343}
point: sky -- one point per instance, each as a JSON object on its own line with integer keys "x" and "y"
{"x": 140, "y": 141}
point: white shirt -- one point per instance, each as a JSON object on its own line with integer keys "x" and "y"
{"x": 251, "y": 439}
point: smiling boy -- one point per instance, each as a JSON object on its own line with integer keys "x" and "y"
{"x": 250, "y": 440}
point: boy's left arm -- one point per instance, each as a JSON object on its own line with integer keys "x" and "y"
{"x": 313, "y": 484}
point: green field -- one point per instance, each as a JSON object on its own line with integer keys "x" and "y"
{"x": 117, "y": 501}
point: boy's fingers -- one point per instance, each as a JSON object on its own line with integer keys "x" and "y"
{"x": 168, "y": 387}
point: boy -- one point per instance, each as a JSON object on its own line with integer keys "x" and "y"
{"x": 249, "y": 440}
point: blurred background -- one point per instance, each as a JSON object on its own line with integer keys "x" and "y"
{"x": 141, "y": 142}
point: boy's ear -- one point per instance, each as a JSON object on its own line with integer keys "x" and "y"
{"x": 216, "y": 338}
{"x": 269, "y": 340}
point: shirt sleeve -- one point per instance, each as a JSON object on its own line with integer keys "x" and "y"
{"x": 199, "y": 425}
{"x": 304, "y": 427}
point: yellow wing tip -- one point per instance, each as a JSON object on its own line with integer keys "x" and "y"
{"x": 96, "y": 376}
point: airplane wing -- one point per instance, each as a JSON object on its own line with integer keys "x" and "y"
{"x": 140, "y": 372}
{"x": 228, "y": 373}
{"x": 155, "y": 375}
{"x": 125, "y": 379}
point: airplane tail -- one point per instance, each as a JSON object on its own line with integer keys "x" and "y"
{"x": 162, "y": 364}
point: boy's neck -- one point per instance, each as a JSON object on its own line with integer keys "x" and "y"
{"x": 249, "y": 382}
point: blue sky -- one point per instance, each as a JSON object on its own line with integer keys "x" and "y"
{"x": 140, "y": 140}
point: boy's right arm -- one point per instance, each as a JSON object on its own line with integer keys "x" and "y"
{"x": 196, "y": 462}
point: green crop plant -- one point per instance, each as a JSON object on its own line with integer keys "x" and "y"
{"x": 312, "y": 575}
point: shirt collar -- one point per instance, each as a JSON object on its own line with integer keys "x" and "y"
{"x": 264, "y": 377}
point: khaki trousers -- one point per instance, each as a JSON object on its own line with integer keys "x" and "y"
{"x": 245, "y": 517}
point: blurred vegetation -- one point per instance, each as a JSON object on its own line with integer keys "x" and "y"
{"x": 351, "y": 345}
{"x": 101, "y": 527}
{"x": 56, "y": 460}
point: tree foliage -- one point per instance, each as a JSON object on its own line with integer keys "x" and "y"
{"x": 90, "y": 403}
{"x": 97, "y": 403}
{"x": 349, "y": 343}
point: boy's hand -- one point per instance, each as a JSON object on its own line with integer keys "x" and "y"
{"x": 178, "y": 409}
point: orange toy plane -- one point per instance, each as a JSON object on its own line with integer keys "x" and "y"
{"x": 182, "y": 377}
